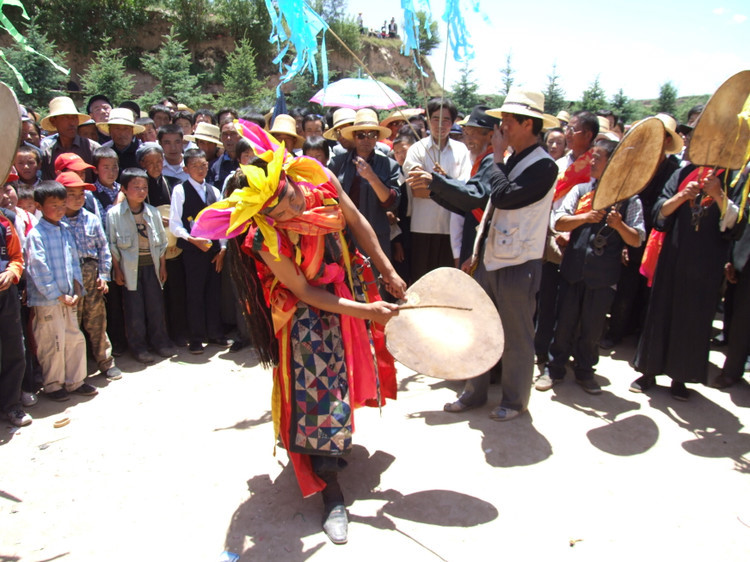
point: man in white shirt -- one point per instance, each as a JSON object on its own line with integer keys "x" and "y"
{"x": 430, "y": 223}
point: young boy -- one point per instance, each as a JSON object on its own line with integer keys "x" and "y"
{"x": 203, "y": 258}
{"x": 149, "y": 134}
{"x": 96, "y": 263}
{"x": 589, "y": 272}
{"x": 54, "y": 287}
{"x": 27, "y": 163}
{"x": 138, "y": 243}
{"x": 107, "y": 166}
{"x": 12, "y": 359}
{"x": 26, "y": 201}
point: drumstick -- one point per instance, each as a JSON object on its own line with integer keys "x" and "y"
{"x": 414, "y": 306}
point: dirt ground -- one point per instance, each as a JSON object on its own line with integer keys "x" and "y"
{"x": 175, "y": 462}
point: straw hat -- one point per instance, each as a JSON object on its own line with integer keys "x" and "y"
{"x": 287, "y": 125}
{"x": 121, "y": 116}
{"x": 183, "y": 107}
{"x": 62, "y": 106}
{"x": 401, "y": 115}
{"x": 604, "y": 131}
{"x": 206, "y": 132}
{"x": 365, "y": 120}
{"x": 563, "y": 116}
{"x": 341, "y": 117}
{"x": 670, "y": 125}
{"x": 528, "y": 103}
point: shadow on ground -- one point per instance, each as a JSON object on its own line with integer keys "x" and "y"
{"x": 275, "y": 518}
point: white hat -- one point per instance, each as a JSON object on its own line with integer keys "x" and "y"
{"x": 62, "y": 105}
{"x": 341, "y": 117}
{"x": 287, "y": 125}
{"x": 365, "y": 120}
{"x": 525, "y": 102}
{"x": 121, "y": 116}
{"x": 206, "y": 132}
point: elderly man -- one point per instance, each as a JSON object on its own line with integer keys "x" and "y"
{"x": 430, "y": 223}
{"x": 509, "y": 246}
{"x": 98, "y": 109}
{"x": 64, "y": 118}
{"x": 369, "y": 178}
{"x": 122, "y": 129}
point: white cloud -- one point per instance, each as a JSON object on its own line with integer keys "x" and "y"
{"x": 718, "y": 11}
{"x": 738, "y": 18}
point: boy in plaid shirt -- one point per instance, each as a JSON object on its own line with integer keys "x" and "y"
{"x": 53, "y": 289}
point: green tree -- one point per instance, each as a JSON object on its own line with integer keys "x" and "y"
{"x": 507, "y": 75}
{"x": 45, "y": 81}
{"x": 554, "y": 96}
{"x": 330, "y": 10}
{"x": 410, "y": 93}
{"x": 667, "y": 102}
{"x": 594, "y": 97}
{"x": 464, "y": 93}
{"x": 171, "y": 65}
{"x": 85, "y": 23}
{"x": 347, "y": 30}
{"x": 190, "y": 18}
{"x": 428, "y": 42}
{"x": 242, "y": 86}
{"x": 248, "y": 19}
{"x": 107, "y": 75}
{"x": 623, "y": 107}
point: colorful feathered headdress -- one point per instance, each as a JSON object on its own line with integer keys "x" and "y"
{"x": 232, "y": 216}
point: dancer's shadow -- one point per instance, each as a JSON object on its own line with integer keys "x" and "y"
{"x": 249, "y": 424}
{"x": 716, "y": 431}
{"x": 275, "y": 519}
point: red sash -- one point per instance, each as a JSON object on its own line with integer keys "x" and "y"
{"x": 578, "y": 172}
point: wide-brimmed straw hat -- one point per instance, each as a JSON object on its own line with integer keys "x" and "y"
{"x": 528, "y": 103}
{"x": 287, "y": 125}
{"x": 62, "y": 105}
{"x": 206, "y": 132}
{"x": 341, "y": 118}
{"x": 365, "y": 120}
{"x": 670, "y": 125}
{"x": 121, "y": 116}
{"x": 604, "y": 131}
{"x": 563, "y": 116}
{"x": 401, "y": 115}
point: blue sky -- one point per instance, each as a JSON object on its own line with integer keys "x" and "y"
{"x": 636, "y": 45}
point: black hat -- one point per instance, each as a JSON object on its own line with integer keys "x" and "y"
{"x": 132, "y": 106}
{"x": 479, "y": 118}
{"x": 97, "y": 97}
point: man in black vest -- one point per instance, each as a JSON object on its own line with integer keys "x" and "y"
{"x": 203, "y": 259}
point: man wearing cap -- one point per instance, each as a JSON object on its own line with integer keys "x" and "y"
{"x": 430, "y": 223}
{"x": 98, "y": 109}
{"x": 369, "y": 178}
{"x": 208, "y": 138}
{"x": 122, "y": 129}
{"x": 64, "y": 118}
{"x": 509, "y": 246}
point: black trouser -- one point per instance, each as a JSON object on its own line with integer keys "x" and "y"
{"x": 175, "y": 301}
{"x": 12, "y": 359}
{"x": 546, "y": 308}
{"x": 144, "y": 308}
{"x": 115, "y": 316}
{"x": 203, "y": 289}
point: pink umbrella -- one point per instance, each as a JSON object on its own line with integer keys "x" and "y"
{"x": 356, "y": 93}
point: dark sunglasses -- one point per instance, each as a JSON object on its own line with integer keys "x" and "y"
{"x": 362, "y": 135}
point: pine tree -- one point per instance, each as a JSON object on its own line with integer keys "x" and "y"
{"x": 44, "y": 80}
{"x": 107, "y": 75}
{"x": 242, "y": 87}
{"x": 554, "y": 96}
{"x": 623, "y": 106}
{"x": 667, "y": 102}
{"x": 594, "y": 97}
{"x": 171, "y": 65}
{"x": 507, "y": 75}
{"x": 464, "y": 93}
